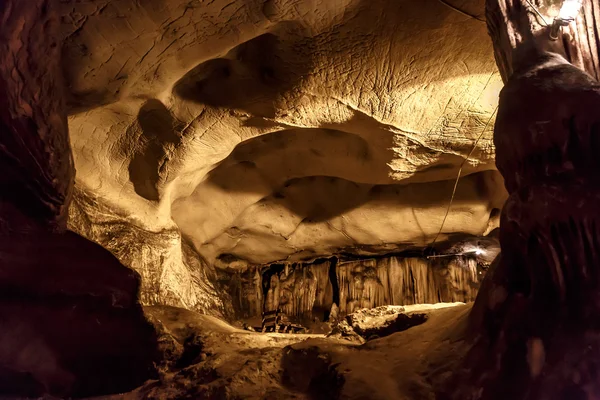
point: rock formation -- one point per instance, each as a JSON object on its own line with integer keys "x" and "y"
{"x": 537, "y": 332}
{"x": 231, "y": 157}
{"x": 70, "y": 321}
{"x": 308, "y": 291}
{"x": 208, "y": 138}
{"x": 371, "y": 323}
{"x": 403, "y": 281}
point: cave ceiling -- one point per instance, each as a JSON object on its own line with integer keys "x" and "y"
{"x": 261, "y": 131}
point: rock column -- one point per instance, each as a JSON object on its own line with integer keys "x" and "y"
{"x": 535, "y": 320}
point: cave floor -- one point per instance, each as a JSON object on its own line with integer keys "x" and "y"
{"x": 209, "y": 359}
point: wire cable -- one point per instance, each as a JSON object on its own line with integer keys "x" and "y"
{"x": 461, "y": 11}
{"x": 537, "y": 12}
{"x": 458, "y": 176}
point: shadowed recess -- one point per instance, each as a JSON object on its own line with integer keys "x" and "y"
{"x": 158, "y": 137}
{"x": 250, "y": 77}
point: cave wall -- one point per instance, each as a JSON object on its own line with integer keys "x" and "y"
{"x": 308, "y": 290}
{"x": 71, "y": 324}
{"x": 171, "y": 271}
{"x": 402, "y": 281}
{"x": 274, "y": 130}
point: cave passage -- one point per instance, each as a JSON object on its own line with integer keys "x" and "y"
{"x": 309, "y": 291}
{"x": 174, "y": 169}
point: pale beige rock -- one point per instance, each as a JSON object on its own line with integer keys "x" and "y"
{"x": 405, "y": 281}
{"x": 278, "y": 130}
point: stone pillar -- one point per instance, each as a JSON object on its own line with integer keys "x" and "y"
{"x": 536, "y": 318}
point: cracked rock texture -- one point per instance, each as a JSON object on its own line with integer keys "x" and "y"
{"x": 222, "y": 134}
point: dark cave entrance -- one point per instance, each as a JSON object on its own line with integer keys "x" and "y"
{"x": 335, "y": 286}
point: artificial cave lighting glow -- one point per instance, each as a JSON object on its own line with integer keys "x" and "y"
{"x": 568, "y": 13}
{"x": 478, "y": 251}
{"x": 570, "y": 9}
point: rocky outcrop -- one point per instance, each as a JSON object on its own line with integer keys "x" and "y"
{"x": 71, "y": 324}
{"x": 370, "y": 323}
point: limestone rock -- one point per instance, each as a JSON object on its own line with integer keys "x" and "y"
{"x": 382, "y": 321}
{"x": 265, "y": 132}
{"x": 403, "y": 281}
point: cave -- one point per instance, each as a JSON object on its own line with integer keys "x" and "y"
{"x": 277, "y": 199}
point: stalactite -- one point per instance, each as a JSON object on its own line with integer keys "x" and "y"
{"x": 245, "y": 289}
{"x": 301, "y": 289}
{"x": 308, "y": 290}
{"x": 402, "y": 281}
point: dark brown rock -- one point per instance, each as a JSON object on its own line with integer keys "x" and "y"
{"x": 35, "y": 156}
{"x": 70, "y": 321}
{"x": 535, "y": 320}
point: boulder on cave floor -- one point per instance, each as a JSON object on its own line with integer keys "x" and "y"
{"x": 372, "y": 323}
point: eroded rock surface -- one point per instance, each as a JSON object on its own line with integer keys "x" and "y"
{"x": 70, "y": 321}
{"x": 279, "y": 131}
